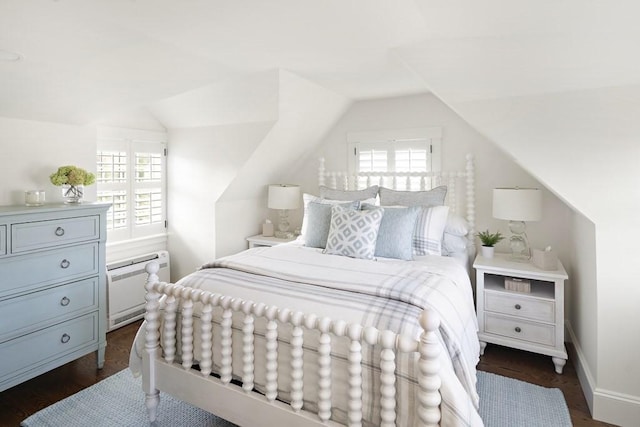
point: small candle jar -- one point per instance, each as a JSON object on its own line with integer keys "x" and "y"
{"x": 34, "y": 197}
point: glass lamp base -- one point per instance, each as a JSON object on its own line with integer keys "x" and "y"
{"x": 519, "y": 247}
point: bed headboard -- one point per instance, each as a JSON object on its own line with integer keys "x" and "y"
{"x": 456, "y": 182}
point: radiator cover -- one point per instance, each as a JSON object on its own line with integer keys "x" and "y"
{"x": 125, "y": 287}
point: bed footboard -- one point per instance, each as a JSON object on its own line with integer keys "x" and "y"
{"x": 160, "y": 371}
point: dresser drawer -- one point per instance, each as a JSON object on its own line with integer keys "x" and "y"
{"x": 29, "y": 351}
{"x": 20, "y": 274}
{"x": 521, "y": 306}
{"x": 37, "y": 309}
{"x": 3, "y": 240}
{"x": 45, "y": 234}
{"x": 520, "y": 329}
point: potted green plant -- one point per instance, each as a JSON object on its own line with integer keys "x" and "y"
{"x": 489, "y": 240}
{"x": 72, "y": 179}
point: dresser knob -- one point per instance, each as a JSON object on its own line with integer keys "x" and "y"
{"x": 65, "y": 301}
{"x": 518, "y": 329}
{"x": 518, "y": 307}
{"x": 65, "y": 338}
{"x": 65, "y": 263}
{"x": 59, "y": 231}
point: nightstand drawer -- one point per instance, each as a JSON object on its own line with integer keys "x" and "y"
{"x": 24, "y": 273}
{"x": 46, "y": 234}
{"x": 46, "y": 306}
{"x": 520, "y": 329}
{"x": 40, "y": 347}
{"x": 521, "y": 306}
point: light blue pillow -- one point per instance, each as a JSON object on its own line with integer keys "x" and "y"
{"x": 319, "y": 221}
{"x": 433, "y": 197}
{"x": 353, "y": 233}
{"x": 395, "y": 237}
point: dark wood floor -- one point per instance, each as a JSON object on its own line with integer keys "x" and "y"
{"x": 19, "y": 402}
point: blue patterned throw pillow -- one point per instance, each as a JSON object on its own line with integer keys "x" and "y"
{"x": 353, "y": 233}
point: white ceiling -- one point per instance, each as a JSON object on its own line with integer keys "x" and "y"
{"x": 84, "y": 60}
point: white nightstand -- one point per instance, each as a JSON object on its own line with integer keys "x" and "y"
{"x": 260, "y": 240}
{"x": 532, "y": 321}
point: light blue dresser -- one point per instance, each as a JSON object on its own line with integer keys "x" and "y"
{"x": 52, "y": 288}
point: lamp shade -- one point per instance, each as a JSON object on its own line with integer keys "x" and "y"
{"x": 517, "y": 204}
{"x": 284, "y": 196}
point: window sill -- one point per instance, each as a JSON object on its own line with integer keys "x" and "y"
{"x": 124, "y": 249}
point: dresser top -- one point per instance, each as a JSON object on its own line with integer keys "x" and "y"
{"x": 51, "y": 207}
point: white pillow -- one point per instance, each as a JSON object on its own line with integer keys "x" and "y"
{"x": 353, "y": 233}
{"x": 427, "y": 239}
{"x": 452, "y": 244}
{"x": 456, "y": 225}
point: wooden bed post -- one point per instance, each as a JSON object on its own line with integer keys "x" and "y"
{"x": 152, "y": 340}
{"x": 471, "y": 197}
{"x": 321, "y": 171}
{"x": 429, "y": 381}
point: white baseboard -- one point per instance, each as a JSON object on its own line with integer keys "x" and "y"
{"x": 587, "y": 382}
{"x": 605, "y": 405}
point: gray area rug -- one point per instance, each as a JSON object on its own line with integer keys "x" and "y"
{"x": 118, "y": 401}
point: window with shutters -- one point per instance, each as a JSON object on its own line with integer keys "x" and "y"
{"x": 131, "y": 175}
{"x": 402, "y": 150}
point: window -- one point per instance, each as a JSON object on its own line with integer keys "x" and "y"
{"x": 131, "y": 175}
{"x": 404, "y": 150}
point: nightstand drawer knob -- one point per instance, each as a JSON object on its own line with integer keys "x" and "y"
{"x": 518, "y": 329}
{"x": 65, "y": 338}
{"x": 518, "y": 306}
{"x": 65, "y": 301}
{"x": 59, "y": 231}
{"x": 65, "y": 263}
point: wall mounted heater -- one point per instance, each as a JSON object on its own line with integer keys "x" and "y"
{"x": 125, "y": 287}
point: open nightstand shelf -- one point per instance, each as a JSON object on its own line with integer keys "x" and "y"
{"x": 533, "y": 320}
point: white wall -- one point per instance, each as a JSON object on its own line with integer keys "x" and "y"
{"x": 227, "y": 143}
{"x": 493, "y": 167}
{"x": 584, "y": 145}
{"x": 31, "y": 151}
{"x": 202, "y": 162}
{"x": 583, "y": 321}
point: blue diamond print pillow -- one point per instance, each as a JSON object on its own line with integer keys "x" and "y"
{"x": 353, "y": 233}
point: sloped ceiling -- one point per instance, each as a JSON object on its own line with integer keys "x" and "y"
{"x": 84, "y": 59}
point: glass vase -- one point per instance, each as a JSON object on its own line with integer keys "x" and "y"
{"x": 72, "y": 193}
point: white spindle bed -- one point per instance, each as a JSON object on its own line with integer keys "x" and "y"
{"x": 179, "y": 355}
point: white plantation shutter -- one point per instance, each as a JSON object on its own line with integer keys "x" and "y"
{"x": 132, "y": 177}
{"x": 405, "y": 150}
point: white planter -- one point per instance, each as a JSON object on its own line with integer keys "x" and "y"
{"x": 487, "y": 251}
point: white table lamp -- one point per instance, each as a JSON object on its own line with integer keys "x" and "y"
{"x": 518, "y": 205}
{"x": 284, "y": 197}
